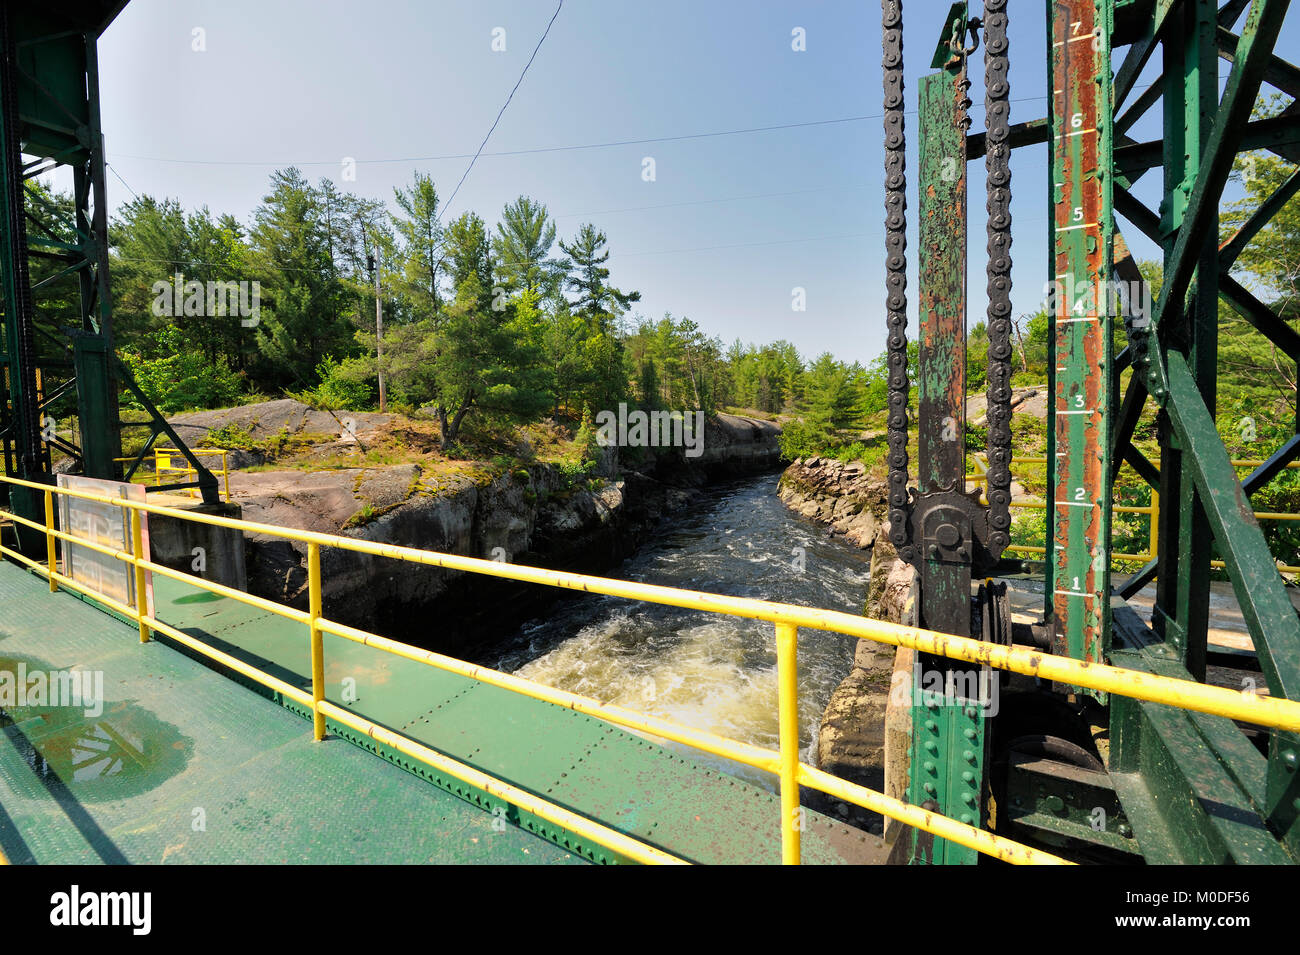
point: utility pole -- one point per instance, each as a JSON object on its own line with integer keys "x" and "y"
{"x": 379, "y": 332}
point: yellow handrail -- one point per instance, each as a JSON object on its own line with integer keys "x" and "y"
{"x": 162, "y": 465}
{"x": 1152, "y": 511}
{"x": 1262, "y": 710}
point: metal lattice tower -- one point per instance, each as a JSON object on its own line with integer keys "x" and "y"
{"x": 57, "y": 355}
{"x": 1165, "y": 775}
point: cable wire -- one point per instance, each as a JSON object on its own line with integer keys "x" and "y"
{"x": 446, "y": 205}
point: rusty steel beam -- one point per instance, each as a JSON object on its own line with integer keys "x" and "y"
{"x": 1079, "y": 569}
{"x": 942, "y": 270}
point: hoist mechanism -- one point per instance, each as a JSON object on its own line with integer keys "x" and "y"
{"x": 1091, "y": 776}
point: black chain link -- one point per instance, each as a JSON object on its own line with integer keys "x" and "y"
{"x": 997, "y": 164}
{"x": 896, "y": 275}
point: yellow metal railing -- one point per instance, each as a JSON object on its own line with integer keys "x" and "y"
{"x": 1152, "y": 511}
{"x": 787, "y": 618}
{"x": 169, "y": 462}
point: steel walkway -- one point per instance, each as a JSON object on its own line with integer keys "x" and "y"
{"x": 185, "y": 766}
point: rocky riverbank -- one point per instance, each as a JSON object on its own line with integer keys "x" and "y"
{"x": 535, "y": 514}
{"x": 851, "y": 741}
{"x": 844, "y": 497}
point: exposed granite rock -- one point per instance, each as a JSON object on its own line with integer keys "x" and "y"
{"x": 534, "y": 515}
{"x": 737, "y": 444}
{"x": 842, "y": 496}
{"x": 733, "y": 445}
{"x": 528, "y": 516}
{"x": 852, "y": 741}
{"x": 327, "y": 431}
{"x": 266, "y": 419}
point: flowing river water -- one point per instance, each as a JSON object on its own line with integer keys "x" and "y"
{"x": 708, "y": 671}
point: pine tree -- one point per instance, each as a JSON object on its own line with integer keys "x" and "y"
{"x": 422, "y": 242}
{"x": 589, "y": 277}
{"x": 522, "y": 246}
{"x": 465, "y": 244}
{"x": 301, "y": 324}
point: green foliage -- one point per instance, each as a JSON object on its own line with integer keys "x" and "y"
{"x": 467, "y": 250}
{"x": 677, "y": 366}
{"x": 590, "y": 279}
{"x": 1273, "y": 256}
{"x": 768, "y": 379}
{"x": 336, "y": 389}
{"x": 475, "y": 322}
{"x": 487, "y": 360}
{"x": 231, "y": 437}
{"x": 801, "y": 439}
{"x": 234, "y": 438}
{"x": 303, "y": 313}
{"x": 422, "y": 244}
{"x": 587, "y": 439}
{"x": 977, "y": 437}
{"x": 1029, "y": 527}
{"x": 178, "y": 379}
{"x": 977, "y": 357}
{"x": 872, "y": 454}
{"x": 836, "y": 394}
{"x": 575, "y": 473}
{"x": 1131, "y": 533}
{"x": 522, "y": 245}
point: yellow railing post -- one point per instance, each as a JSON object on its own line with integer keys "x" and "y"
{"x": 317, "y": 643}
{"x": 1185, "y": 694}
{"x": 787, "y": 677}
{"x": 49, "y": 537}
{"x": 141, "y": 597}
{"x": 225, "y": 473}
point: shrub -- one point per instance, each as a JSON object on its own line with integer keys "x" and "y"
{"x": 338, "y": 389}
{"x": 179, "y": 380}
{"x": 587, "y": 439}
{"x": 801, "y": 439}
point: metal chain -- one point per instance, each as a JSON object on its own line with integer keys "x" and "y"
{"x": 896, "y": 276}
{"x": 998, "y": 167}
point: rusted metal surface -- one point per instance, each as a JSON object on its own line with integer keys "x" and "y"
{"x": 942, "y": 268}
{"x": 947, "y": 526}
{"x": 942, "y": 529}
{"x": 1083, "y": 230}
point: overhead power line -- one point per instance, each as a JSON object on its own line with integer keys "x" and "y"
{"x": 684, "y": 137}
{"x": 446, "y": 205}
{"x": 571, "y": 147}
{"x": 122, "y": 181}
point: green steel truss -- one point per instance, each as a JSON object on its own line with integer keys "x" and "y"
{"x": 1176, "y": 787}
{"x": 56, "y": 351}
{"x": 1175, "y": 364}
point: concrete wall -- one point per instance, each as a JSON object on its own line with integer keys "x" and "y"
{"x": 173, "y": 543}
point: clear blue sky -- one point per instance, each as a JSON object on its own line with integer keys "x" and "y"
{"x": 730, "y": 226}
